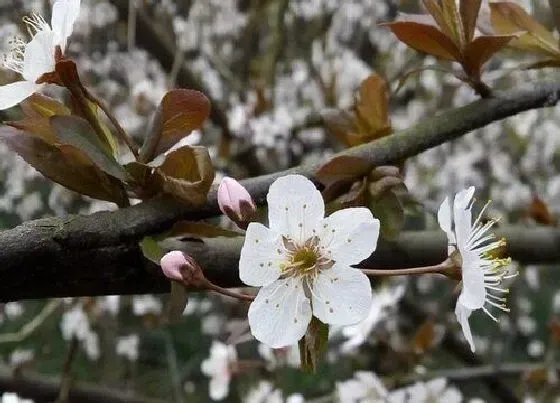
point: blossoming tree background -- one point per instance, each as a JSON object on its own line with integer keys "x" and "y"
{"x": 353, "y": 258}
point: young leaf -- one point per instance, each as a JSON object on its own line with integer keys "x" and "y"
{"x": 340, "y": 123}
{"x": 151, "y": 249}
{"x": 313, "y": 345}
{"x": 64, "y": 164}
{"x": 390, "y": 212}
{"x": 77, "y": 132}
{"x": 40, "y": 106}
{"x": 187, "y": 173}
{"x": 469, "y": 10}
{"x": 425, "y": 38}
{"x": 180, "y": 112}
{"x": 342, "y": 169}
{"x": 373, "y": 107}
{"x": 177, "y": 302}
{"x": 510, "y": 18}
{"x": 479, "y": 51}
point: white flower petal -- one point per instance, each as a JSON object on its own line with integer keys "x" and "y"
{"x": 218, "y": 388}
{"x": 38, "y": 58}
{"x": 14, "y": 93}
{"x": 295, "y": 207}
{"x": 350, "y": 235}
{"x": 341, "y": 296}
{"x": 259, "y": 264}
{"x": 280, "y": 314}
{"x": 473, "y": 294}
{"x": 444, "y": 219}
{"x": 64, "y": 15}
{"x": 463, "y": 314}
{"x": 463, "y": 216}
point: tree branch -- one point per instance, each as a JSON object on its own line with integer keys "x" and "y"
{"x": 42, "y": 267}
{"x": 42, "y": 389}
{"x": 97, "y": 254}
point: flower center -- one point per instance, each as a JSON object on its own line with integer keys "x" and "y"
{"x": 305, "y": 258}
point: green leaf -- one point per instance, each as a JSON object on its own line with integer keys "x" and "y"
{"x": 77, "y": 132}
{"x": 151, "y": 249}
{"x": 177, "y": 302}
{"x": 313, "y": 345}
{"x": 181, "y": 111}
{"x": 64, "y": 164}
{"x": 187, "y": 174}
{"x": 390, "y": 212}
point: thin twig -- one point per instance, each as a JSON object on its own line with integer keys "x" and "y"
{"x": 131, "y": 29}
{"x": 413, "y": 271}
{"x": 33, "y": 325}
{"x": 66, "y": 379}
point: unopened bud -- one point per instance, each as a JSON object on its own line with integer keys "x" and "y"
{"x": 236, "y": 202}
{"x": 171, "y": 264}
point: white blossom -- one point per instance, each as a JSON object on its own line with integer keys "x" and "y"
{"x": 9, "y": 397}
{"x": 482, "y": 273}
{"x": 218, "y": 368}
{"x": 303, "y": 263}
{"x": 384, "y": 298}
{"x": 127, "y": 346}
{"x": 264, "y": 392}
{"x": 365, "y": 387}
{"x": 434, "y": 391}
{"x": 146, "y": 304}
{"x": 34, "y": 59}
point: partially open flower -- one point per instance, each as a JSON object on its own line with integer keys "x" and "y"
{"x": 474, "y": 249}
{"x": 172, "y": 263}
{"x": 179, "y": 266}
{"x": 236, "y": 202}
{"x": 38, "y": 57}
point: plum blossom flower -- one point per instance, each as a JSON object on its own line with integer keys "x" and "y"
{"x": 471, "y": 244}
{"x": 218, "y": 367}
{"x": 357, "y": 334}
{"x": 436, "y": 391}
{"x": 34, "y": 59}
{"x": 303, "y": 263}
{"x": 364, "y": 387}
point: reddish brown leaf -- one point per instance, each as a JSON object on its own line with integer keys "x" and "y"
{"x": 425, "y": 38}
{"x": 434, "y": 8}
{"x": 64, "y": 164}
{"x": 373, "y": 107}
{"x": 180, "y": 112}
{"x": 539, "y": 211}
{"x": 187, "y": 173}
{"x": 510, "y": 18}
{"x": 479, "y": 51}
{"x": 342, "y": 169}
{"x": 469, "y": 10}
{"x": 424, "y": 338}
{"x": 340, "y": 124}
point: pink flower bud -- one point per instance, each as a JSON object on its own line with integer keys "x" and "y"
{"x": 172, "y": 263}
{"x": 236, "y": 202}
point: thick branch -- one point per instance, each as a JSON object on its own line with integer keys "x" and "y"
{"x": 96, "y": 254}
{"x": 43, "y": 267}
